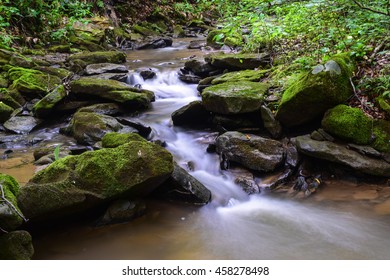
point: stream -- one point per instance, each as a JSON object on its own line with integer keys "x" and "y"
{"x": 234, "y": 225}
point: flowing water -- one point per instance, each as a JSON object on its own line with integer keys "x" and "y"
{"x": 234, "y": 225}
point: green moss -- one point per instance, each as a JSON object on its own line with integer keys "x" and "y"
{"x": 382, "y": 135}
{"x": 5, "y": 112}
{"x": 6, "y": 98}
{"x": 114, "y": 139}
{"x": 3, "y": 81}
{"x": 240, "y": 61}
{"x": 46, "y": 105}
{"x": 245, "y": 75}
{"x": 16, "y": 245}
{"x": 58, "y": 72}
{"x": 146, "y": 31}
{"x": 9, "y": 219}
{"x": 100, "y": 57}
{"x": 211, "y": 38}
{"x": 348, "y": 123}
{"x": 384, "y": 104}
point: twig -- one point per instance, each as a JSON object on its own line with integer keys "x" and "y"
{"x": 10, "y": 203}
{"x": 3, "y": 230}
{"x": 369, "y": 9}
{"x": 357, "y": 96}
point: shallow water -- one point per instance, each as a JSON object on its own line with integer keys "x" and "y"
{"x": 342, "y": 221}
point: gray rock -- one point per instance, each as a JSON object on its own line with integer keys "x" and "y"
{"x": 365, "y": 150}
{"x": 183, "y": 187}
{"x": 197, "y": 44}
{"x": 340, "y": 154}
{"x": 121, "y": 211}
{"x": 198, "y": 67}
{"x": 21, "y": 124}
{"x": 109, "y": 109}
{"x": 100, "y": 68}
{"x": 251, "y": 151}
{"x": 156, "y": 44}
{"x": 16, "y": 245}
{"x": 270, "y": 123}
{"x": 192, "y": 114}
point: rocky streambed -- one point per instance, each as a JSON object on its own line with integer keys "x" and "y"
{"x": 111, "y": 130}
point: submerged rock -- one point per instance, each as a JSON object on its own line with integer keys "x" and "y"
{"x": 251, "y": 151}
{"x": 234, "y": 97}
{"x": 75, "y": 184}
{"x": 16, "y": 245}
{"x": 340, "y": 154}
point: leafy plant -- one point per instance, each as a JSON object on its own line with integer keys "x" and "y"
{"x": 57, "y": 152}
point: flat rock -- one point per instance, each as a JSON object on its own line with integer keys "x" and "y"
{"x": 100, "y": 68}
{"x": 21, "y": 124}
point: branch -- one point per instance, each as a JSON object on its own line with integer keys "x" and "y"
{"x": 369, "y": 9}
{"x": 10, "y": 203}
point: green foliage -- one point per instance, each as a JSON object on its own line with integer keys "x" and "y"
{"x": 57, "y": 152}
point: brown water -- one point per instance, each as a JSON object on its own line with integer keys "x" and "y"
{"x": 344, "y": 220}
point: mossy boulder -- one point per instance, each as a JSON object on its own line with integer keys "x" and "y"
{"x": 384, "y": 104}
{"x": 145, "y": 31}
{"x": 99, "y": 57}
{"x": 129, "y": 97}
{"x": 75, "y": 184}
{"x": 115, "y": 139}
{"x": 110, "y": 109}
{"x": 5, "y": 112}
{"x": 312, "y": 93}
{"x": 3, "y": 81}
{"x": 241, "y": 61}
{"x": 54, "y": 71}
{"x": 193, "y": 113}
{"x": 216, "y": 38}
{"x": 19, "y": 60}
{"x": 245, "y": 75}
{"x": 88, "y": 128}
{"x": 251, "y": 151}
{"x": 351, "y": 124}
{"x": 47, "y": 104}
{"x": 234, "y": 97}
{"x": 16, "y": 245}
{"x": 32, "y": 83}
{"x": 7, "y": 98}
{"x": 10, "y": 217}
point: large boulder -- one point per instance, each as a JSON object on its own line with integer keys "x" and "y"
{"x": 32, "y": 83}
{"x": 115, "y": 139}
{"x": 99, "y": 57}
{"x": 21, "y": 124}
{"x": 75, "y": 184}
{"x": 351, "y": 124}
{"x": 88, "y": 128}
{"x": 112, "y": 90}
{"x": 234, "y": 97}
{"x": 193, "y": 113}
{"x": 240, "y": 61}
{"x": 312, "y": 93}
{"x": 334, "y": 152}
{"x": 251, "y": 151}
{"x": 16, "y": 245}
{"x": 10, "y": 215}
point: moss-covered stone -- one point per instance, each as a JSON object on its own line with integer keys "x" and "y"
{"x": 99, "y": 57}
{"x": 32, "y": 83}
{"x": 146, "y": 31}
{"x": 5, "y": 112}
{"x": 88, "y": 128}
{"x": 19, "y": 60}
{"x": 234, "y": 97}
{"x": 77, "y": 183}
{"x": 46, "y": 105}
{"x": 241, "y": 61}
{"x": 114, "y": 139}
{"x": 58, "y": 72}
{"x": 245, "y": 75}
{"x": 9, "y": 216}
{"x": 211, "y": 38}
{"x": 60, "y": 49}
{"x": 312, "y": 93}
{"x": 7, "y": 97}
{"x": 112, "y": 90}
{"x": 351, "y": 124}
{"x": 384, "y": 104}
{"x": 16, "y": 245}
{"x": 3, "y": 81}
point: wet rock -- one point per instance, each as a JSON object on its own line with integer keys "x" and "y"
{"x": 241, "y": 61}
{"x": 205, "y": 83}
{"x": 245, "y": 180}
{"x": 270, "y": 123}
{"x": 143, "y": 129}
{"x": 147, "y": 73}
{"x": 340, "y": 154}
{"x": 192, "y": 114}
{"x": 183, "y": 187}
{"x": 127, "y": 96}
{"x": 47, "y": 104}
{"x": 156, "y": 44}
{"x": 5, "y": 112}
{"x": 21, "y": 124}
{"x": 310, "y": 95}
{"x": 100, "y": 68}
{"x": 251, "y": 151}
{"x": 188, "y": 77}
{"x": 10, "y": 215}
{"x": 293, "y": 158}
{"x": 197, "y": 44}
{"x": 121, "y": 211}
{"x": 88, "y": 128}
{"x": 199, "y": 68}
{"x": 114, "y": 139}
{"x": 120, "y": 77}
{"x": 109, "y": 109}
{"x": 234, "y": 97}
{"x": 275, "y": 179}
{"x": 237, "y": 122}
{"x": 16, "y": 245}
{"x": 98, "y": 57}
{"x": 76, "y": 184}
